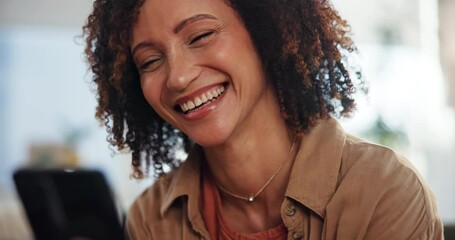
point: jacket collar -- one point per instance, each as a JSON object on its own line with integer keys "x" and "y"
{"x": 313, "y": 180}
{"x": 315, "y": 173}
{"x": 186, "y": 181}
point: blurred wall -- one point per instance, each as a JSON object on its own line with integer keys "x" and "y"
{"x": 382, "y": 22}
{"x": 447, "y": 36}
{"x": 57, "y": 13}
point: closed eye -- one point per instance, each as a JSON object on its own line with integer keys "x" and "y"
{"x": 200, "y": 37}
{"x": 150, "y": 65}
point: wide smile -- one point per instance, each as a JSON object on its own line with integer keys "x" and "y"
{"x": 201, "y": 100}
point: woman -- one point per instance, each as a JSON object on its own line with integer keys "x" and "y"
{"x": 247, "y": 88}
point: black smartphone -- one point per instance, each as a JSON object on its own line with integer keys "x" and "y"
{"x": 67, "y": 204}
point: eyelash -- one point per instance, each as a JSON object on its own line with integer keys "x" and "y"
{"x": 200, "y": 37}
{"x": 145, "y": 65}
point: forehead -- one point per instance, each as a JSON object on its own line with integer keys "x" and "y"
{"x": 158, "y": 19}
{"x": 167, "y": 13}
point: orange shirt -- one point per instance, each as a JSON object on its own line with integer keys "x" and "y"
{"x": 217, "y": 227}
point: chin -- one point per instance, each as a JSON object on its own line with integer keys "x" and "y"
{"x": 209, "y": 141}
{"x": 210, "y": 138}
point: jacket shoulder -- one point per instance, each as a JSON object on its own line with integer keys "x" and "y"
{"x": 394, "y": 195}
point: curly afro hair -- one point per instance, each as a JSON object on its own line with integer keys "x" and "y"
{"x": 303, "y": 45}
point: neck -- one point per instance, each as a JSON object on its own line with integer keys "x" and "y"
{"x": 246, "y": 161}
{"x": 244, "y": 171}
{"x": 243, "y": 164}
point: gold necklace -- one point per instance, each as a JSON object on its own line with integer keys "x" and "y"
{"x": 252, "y": 197}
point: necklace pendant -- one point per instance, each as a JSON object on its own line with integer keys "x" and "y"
{"x": 250, "y": 199}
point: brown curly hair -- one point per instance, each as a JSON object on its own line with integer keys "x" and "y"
{"x": 303, "y": 46}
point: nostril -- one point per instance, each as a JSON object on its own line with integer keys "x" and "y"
{"x": 181, "y": 74}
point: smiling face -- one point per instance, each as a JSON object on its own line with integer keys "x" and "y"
{"x": 199, "y": 69}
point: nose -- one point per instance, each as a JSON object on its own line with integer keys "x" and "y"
{"x": 182, "y": 70}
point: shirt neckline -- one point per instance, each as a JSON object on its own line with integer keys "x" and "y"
{"x": 313, "y": 181}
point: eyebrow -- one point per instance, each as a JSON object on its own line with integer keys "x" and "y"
{"x": 191, "y": 19}
{"x": 176, "y": 29}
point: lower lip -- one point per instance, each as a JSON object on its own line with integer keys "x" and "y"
{"x": 204, "y": 110}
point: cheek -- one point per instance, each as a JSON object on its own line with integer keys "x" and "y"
{"x": 237, "y": 52}
{"x": 152, "y": 93}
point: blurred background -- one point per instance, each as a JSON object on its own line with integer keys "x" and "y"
{"x": 407, "y": 52}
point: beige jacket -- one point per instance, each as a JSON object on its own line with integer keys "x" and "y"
{"x": 341, "y": 188}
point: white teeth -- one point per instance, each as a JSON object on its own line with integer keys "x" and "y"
{"x": 191, "y": 105}
{"x": 184, "y": 107}
{"x": 204, "y": 98}
{"x": 209, "y": 96}
{"x": 198, "y": 101}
